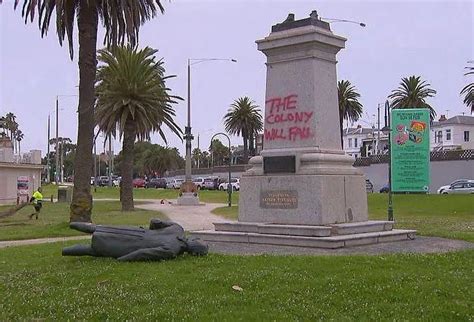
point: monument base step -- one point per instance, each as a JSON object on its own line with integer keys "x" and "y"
{"x": 336, "y": 241}
{"x": 330, "y": 236}
{"x": 305, "y": 230}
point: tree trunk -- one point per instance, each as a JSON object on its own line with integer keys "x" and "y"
{"x": 126, "y": 189}
{"x": 341, "y": 120}
{"x": 81, "y": 206}
{"x": 246, "y": 149}
{"x": 252, "y": 145}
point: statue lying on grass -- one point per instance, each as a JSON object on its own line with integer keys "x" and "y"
{"x": 164, "y": 240}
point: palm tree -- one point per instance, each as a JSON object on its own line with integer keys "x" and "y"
{"x": 412, "y": 93}
{"x": 158, "y": 159}
{"x": 122, "y": 20}
{"x": 243, "y": 118}
{"x": 468, "y": 90}
{"x": 132, "y": 98}
{"x": 349, "y": 106}
{"x": 18, "y": 137}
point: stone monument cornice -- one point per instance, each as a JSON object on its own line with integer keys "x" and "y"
{"x": 307, "y": 34}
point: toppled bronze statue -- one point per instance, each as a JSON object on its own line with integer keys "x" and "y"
{"x": 164, "y": 240}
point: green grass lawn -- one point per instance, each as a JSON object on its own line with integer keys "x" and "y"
{"x": 141, "y": 193}
{"x": 36, "y": 283}
{"x": 450, "y": 216}
{"x": 54, "y": 220}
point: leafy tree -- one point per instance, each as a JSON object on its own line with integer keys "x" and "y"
{"x": 132, "y": 97}
{"x": 468, "y": 90}
{"x": 244, "y": 119}
{"x": 349, "y": 106}
{"x": 197, "y": 157}
{"x": 158, "y": 160}
{"x": 412, "y": 93}
{"x": 122, "y": 21}
{"x": 219, "y": 152}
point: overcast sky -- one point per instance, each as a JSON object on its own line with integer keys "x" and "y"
{"x": 433, "y": 39}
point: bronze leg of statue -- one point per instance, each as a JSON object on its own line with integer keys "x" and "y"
{"x": 79, "y": 250}
{"x": 82, "y": 226}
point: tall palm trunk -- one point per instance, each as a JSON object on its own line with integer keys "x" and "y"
{"x": 341, "y": 123}
{"x": 252, "y": 145}
{"x": 126, "y": 189}
{"x": 81, "y": 206}
{"x": 246, "y": 148}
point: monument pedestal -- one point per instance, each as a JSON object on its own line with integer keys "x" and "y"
{"x": 188, "y": 195}
{"x": 324, "y": 189}
{"x": 303, "y": 190}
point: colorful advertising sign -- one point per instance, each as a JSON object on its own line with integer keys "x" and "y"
{"x": 410, "y": 150}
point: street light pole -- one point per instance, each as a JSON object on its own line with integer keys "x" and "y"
{"x": 56, "y": 172}
{"x": 387, "y": 129}
{"x": 187, "y": 131}
{"x": 229, "y": 185}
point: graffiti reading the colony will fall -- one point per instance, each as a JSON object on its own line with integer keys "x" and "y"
{"x": 285, "y": 122}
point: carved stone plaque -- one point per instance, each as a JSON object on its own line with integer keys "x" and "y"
{"x": 279, "y": 164}
{"x": 279, "y": 199}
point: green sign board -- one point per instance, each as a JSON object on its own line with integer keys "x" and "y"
{"x": 410, "y": 150}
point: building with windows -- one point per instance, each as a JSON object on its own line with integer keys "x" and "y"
{"x": 364, "y": 142}
{"x": 19, "y": 176}
{"x": 455, "y": 133}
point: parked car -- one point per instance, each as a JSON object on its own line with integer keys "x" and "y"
{"x": 369, "y": 187}
{"x": 235, "y": 183}
{"x": 460, "y": 187}
{"x": 199, "y": 183}
{"x": 211, "y": 183}
{"x": 385, "y": 189}
{"x": 174, "y": 183}
{"x": 442, "y": 188}
{"x": 116, "y": 181}
{"x": 138, "y": 183}
{"x": 103, "y": 181}
{"x": 156, "y": 183}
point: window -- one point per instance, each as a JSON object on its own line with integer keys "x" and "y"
{"x": 350, "y": 143}
{"x": 448, "y": 135}
{"x": 355, "y": 142}
{"x": 466, "y": 136}
{"x": 440, "y": 136}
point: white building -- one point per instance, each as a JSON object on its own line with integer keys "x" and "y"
{"x": 362, "y": 141}
{"x": 455, "y": 133}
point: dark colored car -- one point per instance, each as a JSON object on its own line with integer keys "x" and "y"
{"x": 156, "y": 183}
{"x": 385, "y": 189}
{"x": 139, "y": 183}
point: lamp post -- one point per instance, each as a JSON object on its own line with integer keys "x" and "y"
{"x": 331, "y": 20}
{"x": 388, "y": 131}
{"x": 187, "y": 131}
{"x": 229, "y": 186}
{"x": 57, "y": 172}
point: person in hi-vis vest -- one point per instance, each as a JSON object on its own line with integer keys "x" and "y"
{"x": 37, "y": 201}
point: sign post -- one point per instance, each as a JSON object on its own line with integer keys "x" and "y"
{"x": 410, "y": 150}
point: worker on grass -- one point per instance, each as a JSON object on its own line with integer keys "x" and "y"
{"x": 37, "y": 201}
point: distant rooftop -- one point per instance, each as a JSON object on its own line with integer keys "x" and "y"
{"x": 358, "y": 130}
{"x": 458, "y": 119}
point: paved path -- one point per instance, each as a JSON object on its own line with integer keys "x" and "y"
{"x": 190, "y": 217}
{"x": 9, "y": 243}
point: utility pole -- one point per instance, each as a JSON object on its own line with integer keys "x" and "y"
{"x": 56, "y": 172}
{"x": 199, "y": 154}
{"x": 110, "y": 160}
{"x": 378, "y": 128}
{"x": 48, "y": 178}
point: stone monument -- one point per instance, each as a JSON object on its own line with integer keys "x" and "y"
{"x": 302, "y": 184}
